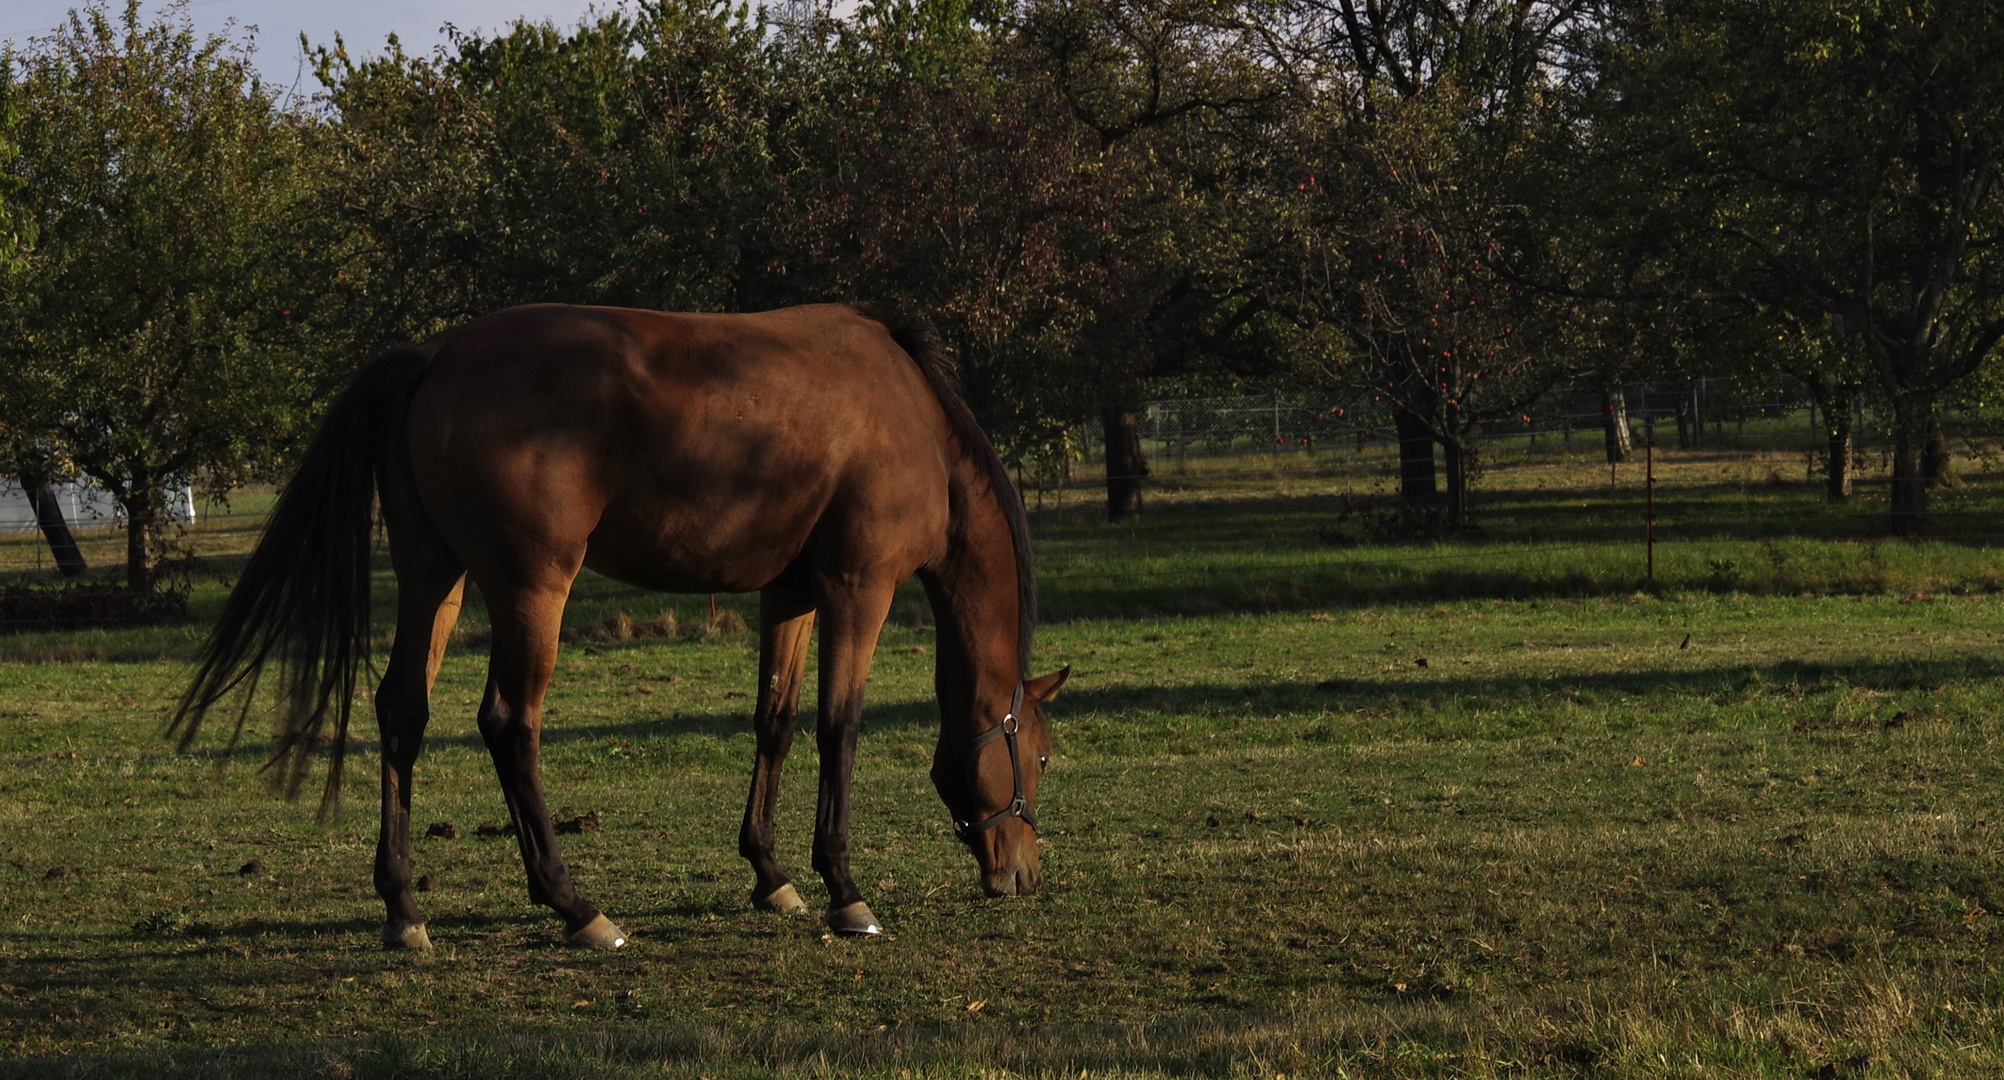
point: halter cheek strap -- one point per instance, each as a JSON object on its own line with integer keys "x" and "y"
{"x": 1019, "y": 804}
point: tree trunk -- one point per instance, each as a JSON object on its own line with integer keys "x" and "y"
{"x": 1834, "y": 399}
{"x": 56, "y": 530}
{"x": 142, "y": 504}
{"x": 1126, "y": 467}
{"x": 1697, "y": 412}
{"x": 1838, "y": 465}
{"x": 1934, "y": 453}
{"x": 1911, "y": 416}
{"x": 1614, "y": 417}
{"x": 1684, "y": 421}
{"x": 1416, "y": 470}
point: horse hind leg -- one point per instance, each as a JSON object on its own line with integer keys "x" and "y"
{"x": 526, "y": 623}
{"x": 428, "y": 603}
{"x": 786, "y": 621}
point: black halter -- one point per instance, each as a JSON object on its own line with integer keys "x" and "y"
{"x": 1019, "y": 805}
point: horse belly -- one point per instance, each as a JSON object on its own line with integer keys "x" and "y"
{"x": 696, "y": 546}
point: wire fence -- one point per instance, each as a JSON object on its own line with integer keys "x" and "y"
{"x": 1695, "y": 413}
{"x": 1688, "y": 441}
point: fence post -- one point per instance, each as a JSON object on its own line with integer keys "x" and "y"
{"x": 1697, "y": 414}
{"x": 1649, "y": 505}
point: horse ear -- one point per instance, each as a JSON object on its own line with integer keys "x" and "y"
{"x": 1045, "y": 687}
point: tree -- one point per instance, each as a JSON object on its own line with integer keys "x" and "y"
{"x": 936, "y": 168}
{"x": 151, "y": 323}
{"x": 25, "y": 443}
{"x": 624, "y": 161}
{"x": 1835, "y": 165}
{"x": 1415, "y": 226}
{"x": 1182, "y": 99}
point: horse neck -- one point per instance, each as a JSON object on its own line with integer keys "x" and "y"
{"x": 977, "y": 606}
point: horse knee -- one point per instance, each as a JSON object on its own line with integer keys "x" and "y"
{"x": 498, "y": 725}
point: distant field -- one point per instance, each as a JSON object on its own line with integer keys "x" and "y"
{"x": 1742, "y": 822}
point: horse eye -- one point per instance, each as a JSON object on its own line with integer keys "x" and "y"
{"x": 1043, "y": 762}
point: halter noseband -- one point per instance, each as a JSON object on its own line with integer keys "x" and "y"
{"x": 1019, "y": 805}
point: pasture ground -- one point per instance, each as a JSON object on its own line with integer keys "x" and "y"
{"x": 1743, "y": 822}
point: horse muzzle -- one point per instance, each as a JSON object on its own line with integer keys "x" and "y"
{"x": 1020, "y": 878}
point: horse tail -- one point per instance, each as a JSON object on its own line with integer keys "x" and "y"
{"x": 303, "y": 599}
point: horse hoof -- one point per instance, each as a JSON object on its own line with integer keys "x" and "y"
{"x": 405, "y": 936}
{"x": 599, "y": 933}
{"x": 784, "y": 900}
{"x": 854, "y": 920}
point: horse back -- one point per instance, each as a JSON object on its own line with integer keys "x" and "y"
{"x": 680, "y": 452}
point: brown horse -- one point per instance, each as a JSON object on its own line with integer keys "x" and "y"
{"x": 818, "y": 455}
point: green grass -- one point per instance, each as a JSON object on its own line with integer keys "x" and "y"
{"x": 1742, "y": 827}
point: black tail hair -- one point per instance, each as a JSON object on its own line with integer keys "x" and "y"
{"x": 303, "y": 600}
{"x": 918, "y": 338}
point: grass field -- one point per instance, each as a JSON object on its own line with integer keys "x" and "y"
{"x": 1322, "y": 806}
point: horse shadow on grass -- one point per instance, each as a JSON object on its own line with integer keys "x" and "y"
{"x": 647, "y": 725}
{"x": 1081, "y": 698}
{"x": 1787, "y": 678}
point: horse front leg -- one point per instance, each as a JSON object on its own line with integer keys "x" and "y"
{"x": 849, "y": 628}
{"x": 785, "y": 623}
{"x": 526, "y": 624}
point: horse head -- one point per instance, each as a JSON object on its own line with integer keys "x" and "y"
{"x": 992, "y": 790}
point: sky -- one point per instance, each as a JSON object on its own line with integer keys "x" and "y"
{"x": 363, "y": 24}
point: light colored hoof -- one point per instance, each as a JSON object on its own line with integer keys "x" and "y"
{"x": 854, "y": 920}
{"x": 405, "y": 936}
{"x": 599, "y": 933}
{"x": 784, "y": 900}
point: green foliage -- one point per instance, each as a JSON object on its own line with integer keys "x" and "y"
{"x": 936, "y": 168}
{"x": 1414, "y": 218}
{"x": 1095, "y": 200}
{"x": 149, "y": 335}
{"x": 16, "y": 231}
{"x": 623, "y": 162}
{"x": 1830, "y": 164}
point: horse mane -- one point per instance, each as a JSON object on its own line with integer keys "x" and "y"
{"x": 917, "y": 337}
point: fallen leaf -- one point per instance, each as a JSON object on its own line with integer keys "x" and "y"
{"x": 975, "y": 1006}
